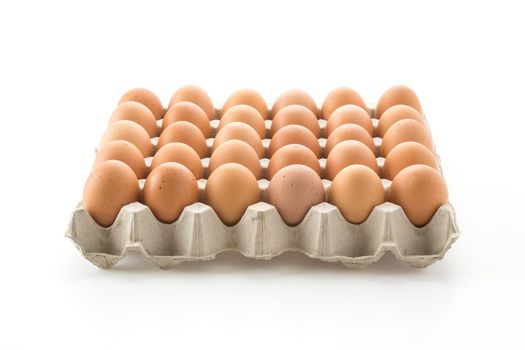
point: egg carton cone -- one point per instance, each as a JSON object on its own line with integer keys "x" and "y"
{"x": 324, "y": 234}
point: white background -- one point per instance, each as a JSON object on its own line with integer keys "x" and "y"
{"x": 63, "y": 66}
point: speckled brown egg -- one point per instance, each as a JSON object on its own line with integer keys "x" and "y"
{"x": 244, "y": 114}
{"x": 420, "y": 190}
{"x": 397, "y": 95}
{"x": 230, "y": 190}
{"x": 187, "y": 133}
{"x": 293, "y": 154}
{"x": 356, "y": 191}
{"x": 246, "y": 97}
{"x": 349, "y": 114}
{"x": 169, "y": 189}
{"x": 128, "y": 131}
{"x": 406, "y": 154}
{"x": 294, "y": 97}
{"x": 294, "y": 134}
{"x": 110, "y": 186}
{"x": 395, "y": 114}
{"x": 349, "y": 132}
{"x": 293, "y": 190}
{"x": 239, "y": 131}
{"x": 138, "y": 113}
{"x": 236, "y": 151}
{"x": 190, "y": 112}
{"x": 180, "y": 153}
{"x": 347, "y": 153}
{"x": 197, "y": 95}
{"x": 147, "y": 98}
{"x": 339, "y": 97}
{"x": 403, "y": 131}
{"x": 296, "y": 115}
{"x": 125, "y": 152}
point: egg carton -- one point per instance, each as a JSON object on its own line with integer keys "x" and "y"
{"x": 324, "y": 233}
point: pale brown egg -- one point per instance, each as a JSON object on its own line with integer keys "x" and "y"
{"x": 147, "y": 98}
{"x": 169, "y": 189}
{"x": 244, "y": 114}
{"x": 293, "y": 190}
{"x": 349, "y": 114}
{"x": 294, "y": 134}
{"x": 339, "y": 97}
{"x": 128, "y": 131}
{"x": 239, "y": 131}
{"x": 355, "y": 191}
{"x": 296, "y": 115}
{"x": 403, "y": 131}
{"x": 180, "y": 153}
{"x": 397, "y": 95}
{"x": 347, "y": 153}
{"x": 293, "y": 154}
{"x": 187, "y": 133}
{"x": 138, "y": 113}
{"x": 190, "y": 112}
{"x": 125, "y": 152}
{"x": 236, "y": 151}
{"x": 294, "y": 97}
{"x": 406, "y": 154}
{"x": 246, "y": 97}
{"x": 197, "y": 95}
{"x": 110, "y": 186}
{"x": 349, "y": 132}
{"x": 420, "y": 190}
{"x": 230, "y": 190}
{"x": 395, "y": 114}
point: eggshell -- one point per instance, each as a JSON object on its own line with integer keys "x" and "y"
{"x": 197, "y": 95}
{"x": 402, "y": 131}
{"x": 246, "y": 97}
{"x": 294, "y": 97}
{"x": 169, "y": 189}
{"x": 128, "y": 131}
{"x": 244, "y": 114}
{"x": 180, "y": 153}
{"x": 147, "y": 98}
{"x": 236, "y": 151}
{"x": 294, "y": 134}
{"x": 355, "y": 191}
{"x": 230, "y": 190}
{"x": 293, "y": 190}
{"x": 395, "y": 114}
{"x": 110, "y": 186}
{"x": 187, "y": 133}
{"x": 138, "y": 113}
{"x": 347, "y": 153}
{"x": 339, "y": 97}
{"x": 239, "y": 131}
{"x": 293, "y": 154}
{"x": 190, "y": 112}
{"x": 397, "y": 95}
{"x": 125, "y": 152}
{"x": 296, "y": 115}
{"x": 420, "y": 190}
{"x": 349, "y": 132}
{"x": 349, "y": 114}
{"x": 406, "y": 154}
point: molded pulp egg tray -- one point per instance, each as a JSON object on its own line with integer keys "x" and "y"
{"x": 324, "y": 234}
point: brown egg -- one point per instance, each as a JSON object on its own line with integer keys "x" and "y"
{"x": 294, "y": 97}
{"x": 169, "y": 189}
{"x": 347, "y": 153}
{"x": 349, "y": 132}
{"x": 246, "y": 97}
{"x": 395, "y": 114}
{"x": 147, "y": 98}
{"x": 420, "y": 190}
{"x": 293, "y": 191}
{"x": 293, "y": 154}
{"x": 397, "y": 95}
{"x": 138, "y": 113}
{"x": 125, "y": 152}
{"x": 236, "y": 151}
{"x": 296, "y": 115}
{"x": 230, "y": 190}
{"x": 128, "y": 131}
{"x": 195, "y": 94}
{"x": 402, "y": 131}
{"x": 406, "y": 154}
{"x": 349, "y": 114}
{"x": 294, "y": 134}
{"x": 244, "y": 114}
{"x": 187, "y": 133}
{"x": 355, "y": 191}
{"x": 180, "y": 153}
{"x": 110, "y": 186}
{"x": 239, "y": 131}
{"x": 340, "y": 97}
{"x": 190, "y": 112}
